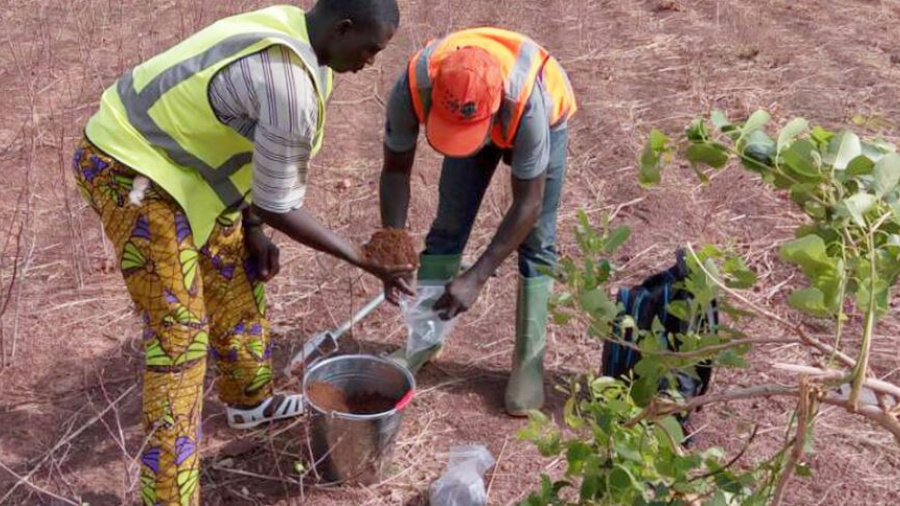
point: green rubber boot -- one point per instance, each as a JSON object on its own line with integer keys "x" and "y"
{"x": 433, "y": 269}
{"x": 525, "y": 390}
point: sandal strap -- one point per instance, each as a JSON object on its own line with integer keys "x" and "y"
{"x": 290, "y": 405}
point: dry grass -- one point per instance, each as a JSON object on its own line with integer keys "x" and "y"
{"x": 69, "y": 342}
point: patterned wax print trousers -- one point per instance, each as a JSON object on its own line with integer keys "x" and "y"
{"x": 193, "y": 299}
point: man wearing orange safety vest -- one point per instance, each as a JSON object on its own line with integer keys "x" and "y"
{"x": 484, "y": 94}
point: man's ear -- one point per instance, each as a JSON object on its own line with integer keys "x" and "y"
{"x": 343, "y": 26}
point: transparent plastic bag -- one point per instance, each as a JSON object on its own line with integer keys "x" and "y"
{"x": 425, "y": 328}
{"x": 463, "y": 482}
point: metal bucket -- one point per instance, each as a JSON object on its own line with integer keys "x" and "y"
{"x": 356, "y": 448}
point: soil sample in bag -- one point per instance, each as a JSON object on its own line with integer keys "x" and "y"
{"x": 330, "y": 398}
{"x": 392, "y": 247}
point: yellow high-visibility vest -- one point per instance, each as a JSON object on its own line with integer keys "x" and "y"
{"x": 157, "y": 118}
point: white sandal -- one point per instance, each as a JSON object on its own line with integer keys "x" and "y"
{"x": 291, "y": 406}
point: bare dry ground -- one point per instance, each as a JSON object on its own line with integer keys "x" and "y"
{"x": 69, "y": 394}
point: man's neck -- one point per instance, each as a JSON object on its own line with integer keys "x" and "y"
{"x": 314, "y": 27}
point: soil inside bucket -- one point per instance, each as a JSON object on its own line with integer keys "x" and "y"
{"x": 330, "y": 398}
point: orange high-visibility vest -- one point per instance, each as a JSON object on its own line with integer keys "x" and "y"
{"x": 523, "y": 62}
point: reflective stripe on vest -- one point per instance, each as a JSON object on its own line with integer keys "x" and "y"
{"x": 138, "y": 105}
{"x": 519, "y": 81}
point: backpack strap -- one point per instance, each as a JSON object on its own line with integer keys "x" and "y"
{"x": 663, "y": 309}
{"x": 630, "y": 354}
{"x": 612, "y": 358}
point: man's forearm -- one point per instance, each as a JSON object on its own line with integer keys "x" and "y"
{"x": 394, "y": 190}
{"x": 394, "y": 194}
{"x": 524, "y": 212}
{"x": 516, "y": 224}
{"x": 305, "y": 229}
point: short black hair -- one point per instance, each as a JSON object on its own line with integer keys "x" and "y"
{"x": 363, "y": 12}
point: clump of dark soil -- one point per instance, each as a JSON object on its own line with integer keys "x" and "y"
{"x": 391, "y": 247}
{"x": 330, "y": 398}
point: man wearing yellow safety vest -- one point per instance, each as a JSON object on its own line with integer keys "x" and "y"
{"x": 484, "y": 94}
{"x": 179, "y": 147}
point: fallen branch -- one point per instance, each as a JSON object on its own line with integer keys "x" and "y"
{"x": 664, "y": 407}
{"x": 876, "y": 385}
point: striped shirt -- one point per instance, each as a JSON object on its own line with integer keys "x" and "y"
{"x": 269, "y": 98}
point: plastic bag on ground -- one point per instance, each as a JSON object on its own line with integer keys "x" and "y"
{"x": 425, "y": 328}
{"x": 463, "y": 482}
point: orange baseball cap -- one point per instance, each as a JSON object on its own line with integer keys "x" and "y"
{"x": 467, "y": 92}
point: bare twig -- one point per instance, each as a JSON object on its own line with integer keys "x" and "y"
{"x": 37, "y": 488}
{"x": 804, "y": 407}
{"x": 496, "y": 469}
{"x": 734, "y": 460}
{"x": 662, "y": 407}
{"x": 62, "y": 442}
{"x": 875, "y": 385}
{"x": 9, "y": 295}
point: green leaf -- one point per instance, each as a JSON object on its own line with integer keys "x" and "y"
{"x": 616, "y": 239}
{"x": 809, "y": 253}
{"x": 597, "y": 303}
{"x": 877, "y": 149}
{"x": 799, "y": 162}
{"x": 560, "y": 318}
{"x": 809, "y": 300}
{"x": 658, "y": 140}
{"x": 821, "y": 136}
{"x": 717, "y": 500}
{"x": 804, "y": 193}
{"x": 731, "y": 358}
{"x": 570, "y": 414}
{"x": 628, "y": 450}
{"x": 599, "y": 385}
{"x": 673, "y": 428}
{"x": 711, "y": 154}
{"x": 757, "y": 151}
{"x": 720, "y": 120}
{"x": 887, "y": 174}
{"x": 794, "y": 128}
{"x": 651, "y": 161}
{"x": 882, "y": 290}
{"x": 862, "y": 165}
{"x": 576, "y": 455}
{"x": 679, "y": 309}
{"x": 844, "y": 148}
{"x": 737, "y": 274}
{"x": 756, "y": 121}
{"x": 856, "y": 207}
{"x": 814, "y": 209}
{"x": 803, "y": 471}
{"x": 590, "y": 486}
{"x": 697, "y": 131}
{"x": 620, "y": 479}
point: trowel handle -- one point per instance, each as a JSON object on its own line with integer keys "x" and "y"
{"x": 359, "y": 315}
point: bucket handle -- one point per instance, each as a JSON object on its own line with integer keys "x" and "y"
{"x": 403, "y": 402}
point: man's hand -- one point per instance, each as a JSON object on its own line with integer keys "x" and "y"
{"x": 397, "y": 279}
{"x": 263, "y": 253}
{"x": 402, "y": 284}
{"x": 459, "y": 295}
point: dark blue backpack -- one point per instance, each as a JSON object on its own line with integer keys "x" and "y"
{"x": 646, "y": 302}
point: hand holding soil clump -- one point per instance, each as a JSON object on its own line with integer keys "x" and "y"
{"x": 391, "y": 247}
